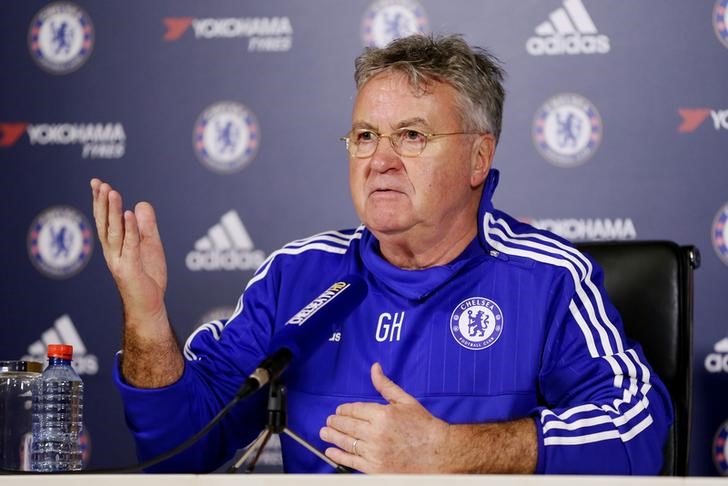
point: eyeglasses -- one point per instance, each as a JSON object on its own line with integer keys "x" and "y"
{"x": 407, "y": 142}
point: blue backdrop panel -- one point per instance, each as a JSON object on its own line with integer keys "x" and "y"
{"x": 226, "y": 116}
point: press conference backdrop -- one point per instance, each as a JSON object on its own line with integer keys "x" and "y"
{"x": 226, "y": 116}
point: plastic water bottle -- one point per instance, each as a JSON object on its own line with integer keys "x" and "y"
{"x": 57, "y": 414}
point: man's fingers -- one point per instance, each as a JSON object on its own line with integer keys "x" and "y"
{"x": 95, "y": 183}
{"x": 115, "y": 227}
{"x": 341, "y": 440}
{"x": 130, "y": 247}
{"x": 147, "y": 220}
{"x": 361, "y": 410}
{"x": 101, "y": 207}
{"x": 348, "y": 460}
{"x": 344, "y": 453}
{"x": 348, "y": 425}
{"x": 389, "y": 390}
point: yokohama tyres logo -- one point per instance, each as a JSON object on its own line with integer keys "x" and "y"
{"x": 10, "y": 133}
{"x": 693, "y": 118}
{"x": 97, "y": 140}
{"x": 264, "y": 34}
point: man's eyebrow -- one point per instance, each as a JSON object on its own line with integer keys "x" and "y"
{"x": 362, "y": 124}
{"x": 410, "y": 122}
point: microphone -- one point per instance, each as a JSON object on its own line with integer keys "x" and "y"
{"x": 305, "y": 331}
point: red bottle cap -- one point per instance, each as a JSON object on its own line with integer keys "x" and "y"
{"x": 63, "y": 351}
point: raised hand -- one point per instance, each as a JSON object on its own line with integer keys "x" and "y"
{"x": 134, "y": 254}
{"x": 132, "y": 249}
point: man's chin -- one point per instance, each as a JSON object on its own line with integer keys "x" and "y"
{"x": 385, "y": 228}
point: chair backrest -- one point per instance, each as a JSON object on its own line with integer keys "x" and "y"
{"x": 651, "y": 285}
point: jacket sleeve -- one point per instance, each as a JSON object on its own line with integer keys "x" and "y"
{"x": 218, "y": 357}
{"x": 607, "y": 412}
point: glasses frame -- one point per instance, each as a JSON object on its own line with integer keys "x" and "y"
{"x": 347, "y": 140}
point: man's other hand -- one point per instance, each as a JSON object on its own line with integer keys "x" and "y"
{"x": 399, "y": 437}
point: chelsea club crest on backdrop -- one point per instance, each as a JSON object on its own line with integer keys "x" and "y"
{"x": 60, "y": 242}
{"x": 226, "y": 136}
{"x": 719, "y": 233}
{"x": 387, "y": 20}
{"x": 567, "y": 130}
{"x": 61, "y": 37}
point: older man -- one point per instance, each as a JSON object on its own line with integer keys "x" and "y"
{"x": 501, "y": 350}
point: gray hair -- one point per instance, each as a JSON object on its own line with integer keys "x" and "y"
{"x": 474, "y": 72}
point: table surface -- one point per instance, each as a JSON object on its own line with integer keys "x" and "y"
{"x": 359, "y": 479}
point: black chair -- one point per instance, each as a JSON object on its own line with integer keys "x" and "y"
{"x": 651, "y": 284}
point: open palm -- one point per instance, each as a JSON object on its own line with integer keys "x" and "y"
{"x": 133, "y": 251}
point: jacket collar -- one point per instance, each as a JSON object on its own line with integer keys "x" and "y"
{"x": 419, "y": 284}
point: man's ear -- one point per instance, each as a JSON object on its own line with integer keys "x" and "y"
{"x": 481, "y": 159}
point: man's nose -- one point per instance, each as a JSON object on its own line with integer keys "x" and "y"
{"x": 384, "y": 157}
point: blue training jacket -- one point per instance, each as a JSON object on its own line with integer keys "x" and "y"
{"x": 519, "y": 325}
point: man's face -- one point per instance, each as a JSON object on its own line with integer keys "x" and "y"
{"x": 393, "y": 194}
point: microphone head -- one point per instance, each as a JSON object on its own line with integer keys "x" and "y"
{"x": 304, "y": 332}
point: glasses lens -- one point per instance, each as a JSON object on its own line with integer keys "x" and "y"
{"x": 410, "y": 143}
{"x": 363, "y": 143}
{"x": 406, "y": 142}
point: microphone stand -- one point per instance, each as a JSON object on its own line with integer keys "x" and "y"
{"x": 276, "y": 423}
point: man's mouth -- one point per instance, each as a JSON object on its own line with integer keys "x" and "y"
{"x": 384, "y": 190}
